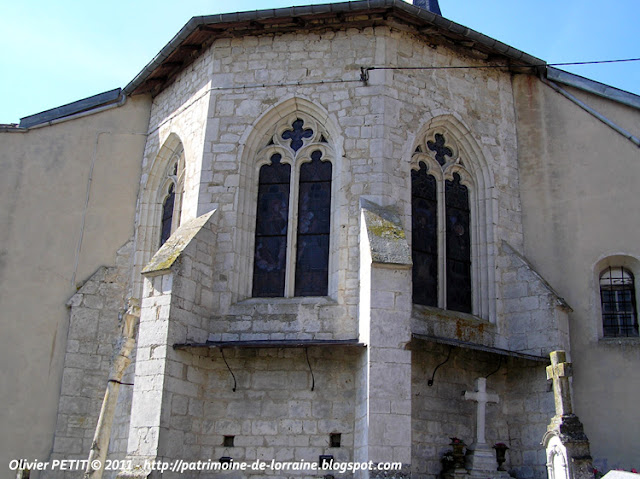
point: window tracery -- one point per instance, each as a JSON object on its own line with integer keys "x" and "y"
{"x": 441, "y": 227}
{"x": 170, "y": 195}
{"x": 161, "y": 202}
{"x": 294, "y": 188}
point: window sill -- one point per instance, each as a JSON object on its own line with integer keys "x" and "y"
{"x": 613, "y": 341}
{"x": 317, "y": 300}
{"x": 421, "y": 310}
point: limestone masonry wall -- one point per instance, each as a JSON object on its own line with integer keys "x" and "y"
{"x": 94, "y": 327}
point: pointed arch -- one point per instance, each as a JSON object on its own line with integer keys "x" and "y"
{"x": 301, "y": 133}
{"x": 160, "y": 203}
{"x": 446, "y": 150}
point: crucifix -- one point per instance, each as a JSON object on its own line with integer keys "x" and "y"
{"x": 560, "y": 371}
{"x": 482, "y": 398}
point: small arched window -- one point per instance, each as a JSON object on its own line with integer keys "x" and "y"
{"x": 167, "y": 214}
{"x": 293, "y": 213}
{"x": 170, "y": 195}
{"x": 618, "y": 301}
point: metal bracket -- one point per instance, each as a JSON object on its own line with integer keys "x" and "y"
{"x": 364, "y": 75}
{"x": 235, "y": 384}
{"x": 313, "y": 379}
{"x": 430, "y": 381}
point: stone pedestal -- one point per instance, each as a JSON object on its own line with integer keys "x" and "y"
{"x": 481, "y": 458}
{"x": 481, "y": 463}
{"x": 458, "y": 473}
{"x": 567, "y": 446}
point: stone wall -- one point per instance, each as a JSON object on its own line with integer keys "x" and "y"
{"x": 534, "y": 316}
{"x": 373, "y": 130}
{"x": 274, "y": 412}
{"x": 295, "y": 318}
{"x": 529, "y": 405}
{"x": 440, "y": 412}
{"x": 94, "y": 326}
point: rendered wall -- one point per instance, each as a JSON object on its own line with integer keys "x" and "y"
{"x": 67, "y": 196}
{"x": 579, "y": 191}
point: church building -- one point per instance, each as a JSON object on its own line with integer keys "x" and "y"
{"x": 348, "y": 232}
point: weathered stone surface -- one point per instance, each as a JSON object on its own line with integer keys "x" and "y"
{"x": 568, "y": 454}
{"x": 387, "y": 239}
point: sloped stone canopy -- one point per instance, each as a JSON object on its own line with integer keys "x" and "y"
{"x": 171, "y": 250}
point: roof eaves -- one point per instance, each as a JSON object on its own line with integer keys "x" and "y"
{"x": 70, "y": 109}
{"x": 163, "y": 54}
{"x": 328, "y": 8}
{"x": 592, "y": 86}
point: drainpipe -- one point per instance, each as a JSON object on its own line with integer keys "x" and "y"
{"x": 591, "y": 111}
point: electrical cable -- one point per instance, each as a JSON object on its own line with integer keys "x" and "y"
{"x": 452, "y": 67}
{"x": 364, "y": 78}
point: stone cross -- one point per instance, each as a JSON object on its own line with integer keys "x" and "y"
{"x": 482, "y": 397}
{"x": 560, "y": 371}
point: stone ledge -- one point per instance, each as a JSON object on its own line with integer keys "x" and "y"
{"x": 622, "y": 341}
{"x": 387, "y": 240}
{"x": 251, "y": 303}
{"x": 431, "y": 321}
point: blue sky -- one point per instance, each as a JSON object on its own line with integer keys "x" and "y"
{"x": 56, "y": 52}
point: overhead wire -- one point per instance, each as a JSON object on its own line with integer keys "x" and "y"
{"x": 364, "y": 78}
{"x": 453, "y": 67}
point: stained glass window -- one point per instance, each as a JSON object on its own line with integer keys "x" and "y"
{"x": 314, "y": 219}
{"x": 424, "y": 221}
{"x": 618, "y": 300}
{"x": 440, "y": 220}
{"x": 458, "y": 241}
{"x": 439, "y": 147}
{"x": 167, "y": 215}
{"x": 269, "y": 268}
{"x": 300, "y": 267}
{"x": 296, "y": 134}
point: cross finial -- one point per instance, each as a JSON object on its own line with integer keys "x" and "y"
{"x": 560, "y": 371}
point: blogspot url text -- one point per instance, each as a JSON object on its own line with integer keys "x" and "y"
{"x": 182, "y": 466}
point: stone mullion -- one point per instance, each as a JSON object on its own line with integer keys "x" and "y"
{"x": 442, "y": 245}
{"x": 292, "y": 230}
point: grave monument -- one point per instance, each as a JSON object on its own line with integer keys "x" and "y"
{"x": 481, "y": 459}
{"x": 567, "y": 446}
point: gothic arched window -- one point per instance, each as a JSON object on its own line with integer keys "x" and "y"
{"x": 458, "y": 245}
{"x": 170, "y": 195}
{"x": 167, "y": 214}
{"x": 424, "y": 221}
{"x": 294, "y": 188}
{"x": 441, "y": 235}
{"x": 618, "y": 300}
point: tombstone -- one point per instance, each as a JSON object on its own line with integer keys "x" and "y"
{"x": 481, "y": 458}
{"x": 567, "y": 446}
